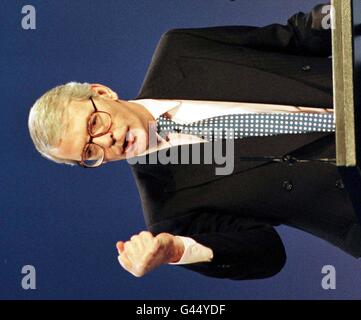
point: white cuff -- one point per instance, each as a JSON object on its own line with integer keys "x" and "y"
{"x": 194, "y": 252}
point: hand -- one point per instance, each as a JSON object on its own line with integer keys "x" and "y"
{"x": 144, "y": 252}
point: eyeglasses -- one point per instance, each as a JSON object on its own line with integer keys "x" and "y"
{"x": 99, "y": 124}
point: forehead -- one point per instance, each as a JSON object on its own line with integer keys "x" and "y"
{"x": 75, "y": 133}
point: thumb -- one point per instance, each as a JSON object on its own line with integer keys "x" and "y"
{"x": 120, "y": 246}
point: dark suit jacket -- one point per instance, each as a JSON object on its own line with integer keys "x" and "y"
{"x": 235, "y": 215}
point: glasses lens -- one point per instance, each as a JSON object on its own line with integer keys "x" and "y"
{"x": 99, "y": 123}
{"x": 93, "y": 155}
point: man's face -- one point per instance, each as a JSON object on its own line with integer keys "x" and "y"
{"x": 127, "y": 137}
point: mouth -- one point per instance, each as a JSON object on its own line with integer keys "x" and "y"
{"x": 129, "y": 141}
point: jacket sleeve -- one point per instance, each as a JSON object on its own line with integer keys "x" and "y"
{"x": 303, "y": 34}
{"x": 242, "y": 248}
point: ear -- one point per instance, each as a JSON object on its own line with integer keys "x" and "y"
{"x": 104, "y": 91}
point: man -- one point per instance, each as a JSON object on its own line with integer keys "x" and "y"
{"x": 220, "y": 226}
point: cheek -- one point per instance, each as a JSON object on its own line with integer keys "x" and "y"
{"x": 117, "y": 120}
{"x": 119, "y": 124}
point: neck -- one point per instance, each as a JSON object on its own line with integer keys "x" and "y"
{"x": 141, "y": 111}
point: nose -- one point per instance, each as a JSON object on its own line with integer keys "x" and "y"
{"x": 105, "y": 141}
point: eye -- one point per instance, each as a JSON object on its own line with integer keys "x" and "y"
{"x": 94, "y": 122}
{"x": 88, "y": 153}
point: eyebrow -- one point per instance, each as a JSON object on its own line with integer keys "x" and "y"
{"x": 94, "y": 109}
{"x": 88, "y": 138}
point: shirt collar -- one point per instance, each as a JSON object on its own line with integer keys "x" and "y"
{"x": 157, "y": 107}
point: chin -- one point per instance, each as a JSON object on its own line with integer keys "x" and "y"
{"x": 132, "y": 154}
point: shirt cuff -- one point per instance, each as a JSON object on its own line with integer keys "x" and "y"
{"x": 194, "y": 252}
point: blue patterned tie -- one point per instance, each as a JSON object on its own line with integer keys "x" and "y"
{"x": 238, "y": 126}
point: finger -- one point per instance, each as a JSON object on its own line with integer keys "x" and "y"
{"x": 120, "y": 246}
{"x": 146, "y": 236}
{"x": 127, "y": 265}
{"x": 147, "y": 239}
{"x": 159, "y": 241}
{"x": 132, "y": 260}
{"x": 137, "y": 243}
{"x": 125, "y": 262}
{"x": 131, "y": 253}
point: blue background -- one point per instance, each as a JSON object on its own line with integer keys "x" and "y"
{"x": 65, "y": 221}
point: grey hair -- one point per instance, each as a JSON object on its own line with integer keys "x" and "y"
{"x": 48, "y": 117}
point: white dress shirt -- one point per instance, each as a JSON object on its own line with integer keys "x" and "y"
{"x": 187, "y": 111}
